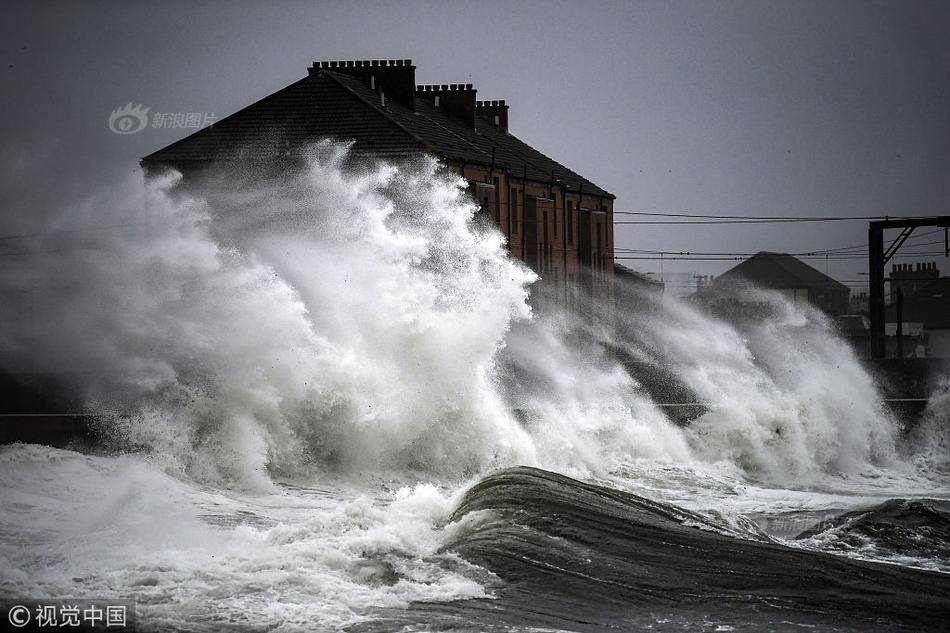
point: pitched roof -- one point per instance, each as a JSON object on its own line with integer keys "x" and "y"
{"x": 327, "y": 104}
{"x": 623, "y": 272}
{"x": 778, "y": 270}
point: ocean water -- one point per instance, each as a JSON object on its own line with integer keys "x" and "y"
{"x": 324, "y": 401}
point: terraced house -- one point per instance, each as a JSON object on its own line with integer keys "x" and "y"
{"x": 556, "y": 221}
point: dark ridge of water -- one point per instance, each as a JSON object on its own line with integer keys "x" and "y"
{"x": 897, "y": 527}
{"x": 579, "y": 557}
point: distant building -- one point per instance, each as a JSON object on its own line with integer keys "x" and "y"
{"x": 925, "y": 305}
{"x": 785, "y": 274}
{"x": 860, "y": 303}
{"x": 635, "y": 292}
{"x": 909, "y": 279}
{"x": 638, "y": 282}
{"x": 635, "y": 296}
{"x": 556, "y": 221}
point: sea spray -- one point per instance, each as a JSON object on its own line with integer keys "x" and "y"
{"x": 785, "y": 397}
{"x": 358, "y": 316}
{"x": 300, "y": 376}
{"x": 927, "y": 444}
{"x": 356, "y": 332}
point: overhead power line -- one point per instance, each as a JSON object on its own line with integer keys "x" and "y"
{"x": 864, "y": 245}
{"x": 769, "y": 218}
{"x": 724, "y": 257}
{"x": 830, "y": 253}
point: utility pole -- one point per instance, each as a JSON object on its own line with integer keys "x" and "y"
{"x": 877, "y": 260}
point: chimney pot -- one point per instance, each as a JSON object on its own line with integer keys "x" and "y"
{"x": 455, "y": 100}
{"x": 381, "y": 75}
{"x": 494, "y": 112}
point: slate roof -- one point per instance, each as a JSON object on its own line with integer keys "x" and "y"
{"x": 327, "y": 104}
{"x": 623, "y": 272}
{"x": 778, "y": 270}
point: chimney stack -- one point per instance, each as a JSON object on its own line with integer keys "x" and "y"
{"x": 454, "y": 100}
{"x": 495, "y": 112}
{"x": 394, "y": 78}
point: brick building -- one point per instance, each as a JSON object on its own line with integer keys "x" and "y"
{"x": 924, "y": 305}
{"x": 556, "y": 221}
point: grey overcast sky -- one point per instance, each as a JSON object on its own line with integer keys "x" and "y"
{"x": 732, "y": 107}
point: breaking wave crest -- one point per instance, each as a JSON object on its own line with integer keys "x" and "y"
{"x": 359, "y": 317}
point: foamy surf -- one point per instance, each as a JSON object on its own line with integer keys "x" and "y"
{"x": 296, "y": 382}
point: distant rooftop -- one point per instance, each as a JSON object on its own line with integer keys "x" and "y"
{"x": 778, "y": 270}
{"x": 624, "y": 272}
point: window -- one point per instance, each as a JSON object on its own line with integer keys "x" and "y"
{"x": 486, "y": 197}
{"x": 570, "y": 221}
{"x": 544, "y": 240}
{"x": 513, "y": 209}
{"x": 554, "y": 211}
{"x": 496, "y": 209}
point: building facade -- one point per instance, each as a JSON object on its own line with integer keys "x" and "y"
{"x": 922, "y": 308}
{"x": 556, "y": 221}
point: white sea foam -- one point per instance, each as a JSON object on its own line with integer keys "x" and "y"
{"x": 360, "y": 330}
{"x": 360, "y": 319}
{"x": 196, "y": 558}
